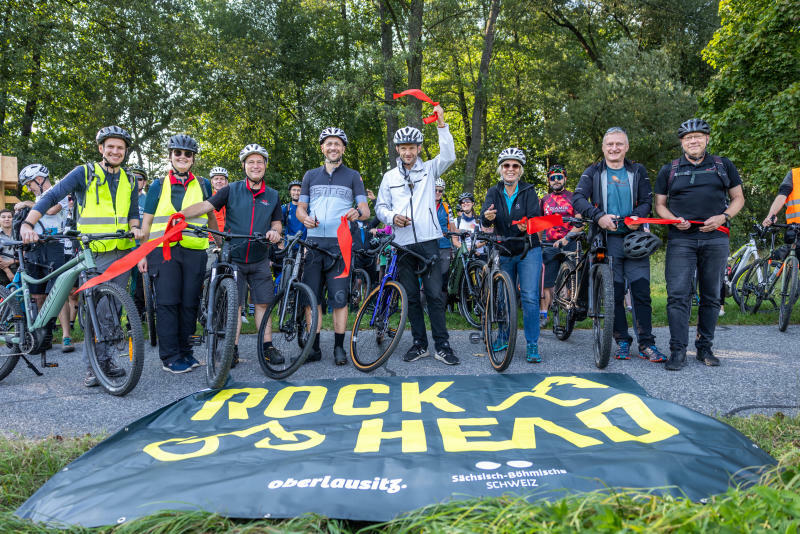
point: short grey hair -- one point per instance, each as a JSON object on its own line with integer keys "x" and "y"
{"x": 616, "y": 129}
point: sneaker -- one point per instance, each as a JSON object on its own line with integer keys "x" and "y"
{"x": 707, "y": 357}
{"x": 111, "y": 370}
{"x": 676, "y": 361}
{"x": 652, "y": 353}
{"x": 416, "y": 352}
{"x": 623, "y": 351}
{"x": 90, "y": 380}
{"x": 177, "y": 367}
{"x": 66, "y": 345}
{"x": 314, "y": 356}
{"x": 532, "y": 353}
{"x": 445, "y": 354}
{"x": 235, "y": 360}
{"x": 501, "y": 343}
{"x": 192, "y": 361}
{"x": 722, "y": 312}
{"x": 339, "y": 357}
{"x": 273, "y": 355}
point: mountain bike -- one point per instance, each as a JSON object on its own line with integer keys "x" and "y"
{"x": 381, "y": 319}
{"x": 584, "y": 288}
{"x": 760, "y": 279}
{"x": 789, "y": 282}
{"x": 466, "y": 277}
{"x": 109, "y": 318}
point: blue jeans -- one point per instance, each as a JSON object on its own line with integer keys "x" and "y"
{"x": 528, "y": 273}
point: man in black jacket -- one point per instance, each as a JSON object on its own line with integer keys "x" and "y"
{"x": 616, "y": 187}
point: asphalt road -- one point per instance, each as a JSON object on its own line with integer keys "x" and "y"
{"x": 760, "y": 373}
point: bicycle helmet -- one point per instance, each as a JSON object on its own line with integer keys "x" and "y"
{"x": 440, "y": 183}
{"x": 408, "y": 135}
{"x": 32, "y": 171}
{"x": 693, "y": 125}
{"x": 556, "y": 169}
{"x": 108, "y": 132}
{"x": 253, "y": 148}
{"x": 219, "y": 171}
{"x": 133, "y": 168}
{"x": 511, "y": 153}
{"x": 640, "y": 244}
{"x": 791, "y": 235}
{"x": 293, "y": 183}
{"x": 332, "y": 132}
{"x": 183, "y": 142}
{"x": 466, "y": 196}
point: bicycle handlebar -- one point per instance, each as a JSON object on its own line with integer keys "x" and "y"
{"x": 71, "y": 234}
{"x": 202, "y": 229}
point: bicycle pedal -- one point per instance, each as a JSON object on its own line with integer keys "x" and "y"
{"x": 195, "y": 340}
{"x": 476, "y": 337}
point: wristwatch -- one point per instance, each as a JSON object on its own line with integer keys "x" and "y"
{"x": 727, "y": 216}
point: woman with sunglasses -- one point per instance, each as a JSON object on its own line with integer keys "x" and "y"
{"x": 508, "y": 201}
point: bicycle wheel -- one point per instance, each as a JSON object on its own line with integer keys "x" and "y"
{"x": 751, "y": 289}
{"x": 116, "y": 351}
{"x": 469, "y": 302}
{"x": 603, "y": 315}
{"x": 201, "y": 313}
{"x": 288, "y": 325}
{"x": 221, "y": 334}
{"x": 378, "y": 326}
{"x": 359, "y": 288}
{"x": 789, "y": 290}
{"x": 500, "y": 321}
{"x": 563, "y": 317}
{"x": 10, "y": 326}
{"x": 150, "y": 308}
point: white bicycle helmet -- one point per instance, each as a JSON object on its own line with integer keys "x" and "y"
{"x": 253, "y": 148}
{"x": 219, "y": 171}
{"x": 408, "y": 136}
{"x": 511, "y": 153}
{"x": 440, "y": 183}
{"x": 332, "y": 132}
{"x": 32, "y": 171}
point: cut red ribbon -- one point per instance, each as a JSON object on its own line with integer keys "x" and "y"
{"x": 129, "y": 260}
{"x": 345, "y": 245}
{"x": 652, "y": 220}
{"x": 537, "y": 224}
{"x": 421, "y": 96}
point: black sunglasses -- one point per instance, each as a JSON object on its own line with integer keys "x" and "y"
{"x": 179, "y": 153}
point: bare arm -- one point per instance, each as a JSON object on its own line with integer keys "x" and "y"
{"x": 200, "y": 208}
{"x": 774, "y": 209}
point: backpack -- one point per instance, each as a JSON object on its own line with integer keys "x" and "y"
{"x": 718, "y": 165}
{"x": 16, "y": 222}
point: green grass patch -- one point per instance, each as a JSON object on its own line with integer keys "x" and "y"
{"x": 773, "y": 505}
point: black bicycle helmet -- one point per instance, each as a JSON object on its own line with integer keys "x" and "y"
{"x": 466, "y": 195}
{"x": 640, "y": 244}
{"x": 693, "y": 125}
{"x": 791, "y": 235}
{"x": 293, "y": 183}
{"x": 108, "y": 132}
{"x": 183, "y": 142}
{"x": 133, "y": 168}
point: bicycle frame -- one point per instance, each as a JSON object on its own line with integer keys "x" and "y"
{"x": 587, "y": 262}
{"x": 391, "y": 272}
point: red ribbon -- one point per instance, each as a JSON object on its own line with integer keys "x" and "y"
{"x": 642, "y": 220}
{"x": 422, "y": 96}
{"x": 537, "y": 224}
{"x": 345, "y": 245}
{"x": 175, "y": 226}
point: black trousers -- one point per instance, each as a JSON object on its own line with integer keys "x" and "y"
{"x": 432, "y": 284}
{"x": 178, "y": 287}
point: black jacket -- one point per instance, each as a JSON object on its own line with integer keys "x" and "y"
{"x": 525, "y": 205}
{"x": 588, "y": 196}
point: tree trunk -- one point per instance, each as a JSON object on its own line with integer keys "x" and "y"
{"x": 31, "y": 104}
{"x": 415, "y": 61}
{"x": 481, "y": 99}
{"x": 462, "y": 100}
{"x": 5, "y": 70}
{"x": 388, "y": 80}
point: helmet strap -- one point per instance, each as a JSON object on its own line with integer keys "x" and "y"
{"x": 698, "y": 160}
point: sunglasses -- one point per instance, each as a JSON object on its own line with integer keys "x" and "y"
{"x": 439, "y": 190}
{"x": 141, "y": 179}
{"x": 511, "y": 165}
{"x": 554, "y": 177}
{"x": 179, "y": 153}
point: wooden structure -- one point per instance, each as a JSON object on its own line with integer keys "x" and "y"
{"x": 8, "y": 181}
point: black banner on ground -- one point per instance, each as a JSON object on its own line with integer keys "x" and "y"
{"x": 372, "y": 448}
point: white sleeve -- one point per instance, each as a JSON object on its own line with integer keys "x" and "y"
{"x": 383, "y": 202}
{"x": 447, "y": 151}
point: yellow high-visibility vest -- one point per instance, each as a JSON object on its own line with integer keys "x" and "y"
{"x": 99, "y": 214}
{"x": 165, "y": 209}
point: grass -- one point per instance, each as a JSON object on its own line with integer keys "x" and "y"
{"x": 772, "y": 505}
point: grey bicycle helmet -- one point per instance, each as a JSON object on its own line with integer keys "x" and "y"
{"x": 511, "y": 153}
{"x": 108, "y": 132}
{"x": 32, "y": 171}
{"x": 133, "y": 168}
{"x": 253, "y": 148}
{"x": 294, "y": 183}
{"x": 219, "y": 171}
{"x": 332, "y": 132}
{"x": 639, "y": 244}
{"x": 466, "y": 195}
{"x": 183, "y": 142}
{"x": 693, "y": 125}
{"x": 408, "y": 135}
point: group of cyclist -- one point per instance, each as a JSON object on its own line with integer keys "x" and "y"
{"x": 702, "y": 192}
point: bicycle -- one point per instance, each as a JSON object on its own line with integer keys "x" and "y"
{"x": 739, "y": 261}
{"x": 150, "y": 308}
{"x": 789, "y": 282}
{"x": 759, "y": 281}
{"x": 360, "y": 283}
{"x": 381, "y": 319}
{"x": 466, "y": 275}
{"x": 106, "y": 312}
{"x": 294, "y": 310}
{"x": 584, "y": 288}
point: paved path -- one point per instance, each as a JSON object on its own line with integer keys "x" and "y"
{"x": 760, "y": 368}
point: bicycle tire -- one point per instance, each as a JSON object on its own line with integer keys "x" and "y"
{"x": 201, "y": 313}
{"x": 367, "y": 350}
{"x": 563, "y": 317}
{"x": 469, "y": 303}
{"x": 749, "y": 291}
{"x": 129, "y": 340}
{"x": 789, "y": 290}
{"x": 295, "y": 323}
{"x": 9, "y": 326}
{"x": 501, "y": 308}
{"x": 359, "y": 288}
{"x": 150, "y": 308}
{"x": 221, "y": 336}
{"x": 603, "y": 331}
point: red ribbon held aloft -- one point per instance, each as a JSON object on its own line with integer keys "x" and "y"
{"x": 652, "y": 220}
{"x": 422, "y": 96}
{"x": 345, "y": 245}
{"x": 537, "y": 224}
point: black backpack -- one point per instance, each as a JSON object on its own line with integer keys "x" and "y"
{"x": 16, "y": 222}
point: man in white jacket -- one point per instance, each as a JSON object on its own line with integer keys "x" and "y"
{"x": 406, "y": 201}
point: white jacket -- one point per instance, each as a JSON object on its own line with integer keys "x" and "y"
{"x": 395, "y": 197}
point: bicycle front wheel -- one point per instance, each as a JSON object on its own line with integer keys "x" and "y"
{"x": 288, "y": 324}
{"x": 10, "y": 326}
{"x": 751, "y": 288}
{"x": 563, "y": 317}
{"x": 500, "y": 321}
{"x": 150, "y": 308}
{"x": 359, "y": 288}
{"x": 469, "y": 301}
{"x": 115, "y": 343}
{"x": 603, "y": 315}
{"x": 378, "y": 326}
{"x": 789, "y": 290}
{"x": 221, "y": 333}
